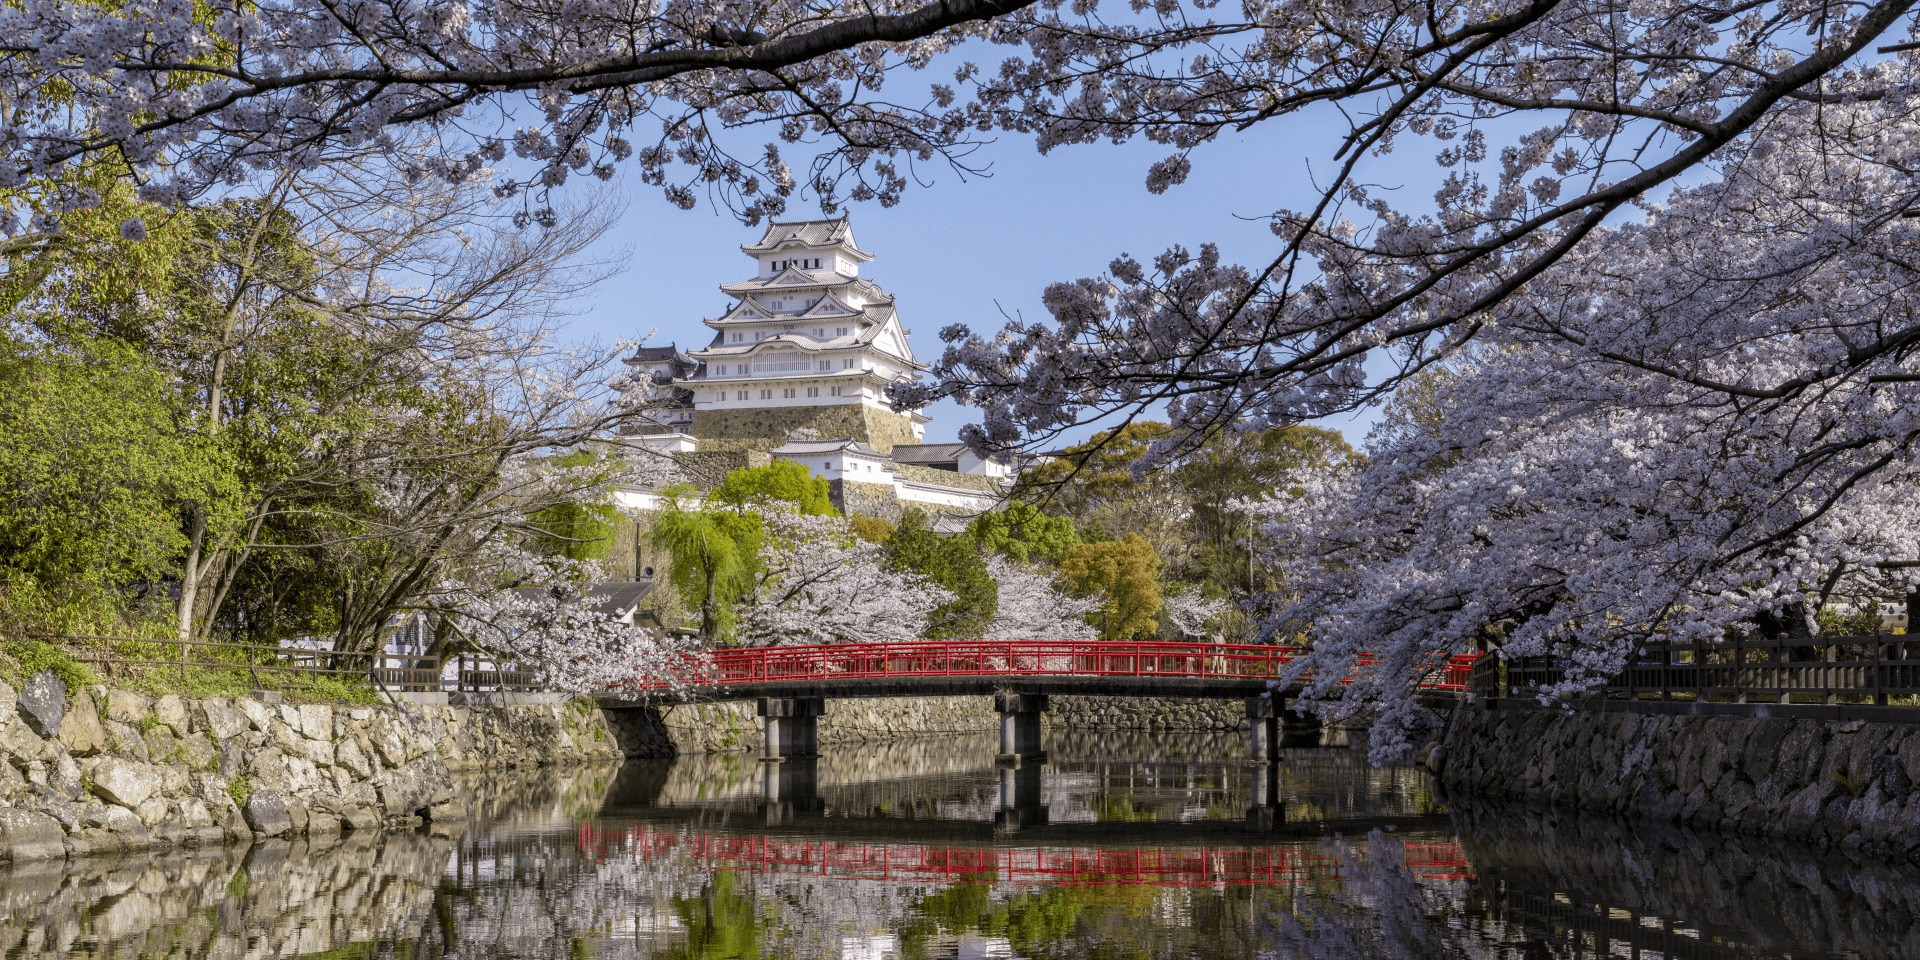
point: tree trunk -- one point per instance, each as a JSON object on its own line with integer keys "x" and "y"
{"x": 190, "y": 573}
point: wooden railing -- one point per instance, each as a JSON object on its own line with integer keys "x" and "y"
{"x": 1825, "y": 670}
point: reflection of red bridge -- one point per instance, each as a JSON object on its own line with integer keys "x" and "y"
{"x": 1053, "y": 866}
{"x": 1038, "y": 666}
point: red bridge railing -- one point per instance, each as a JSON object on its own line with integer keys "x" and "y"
{"x": 1011, "y": 658}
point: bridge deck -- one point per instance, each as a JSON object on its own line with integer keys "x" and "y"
{"x": 1091, "y": 668}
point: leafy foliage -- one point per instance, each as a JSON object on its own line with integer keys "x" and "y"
{"x": 782, "y": 480}
{"x": 715, "y": 554}
{"x": 1024, "y": 533}
{"x": 1125, "y": 575}
{"x": 954, "y": 563}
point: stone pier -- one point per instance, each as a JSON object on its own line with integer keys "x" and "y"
{"x": 790, "y": 727}
{"x": 1020, "y": 727}
{"x": 1263, "y": 728}
{"x": 1265, "y": 812}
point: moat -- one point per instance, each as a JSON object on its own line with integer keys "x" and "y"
{"x": 1122, "y": 845}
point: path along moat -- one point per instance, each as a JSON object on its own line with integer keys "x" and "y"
{"x": 1121, "y": 845}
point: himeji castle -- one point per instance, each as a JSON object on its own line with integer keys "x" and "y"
{"x": 798, "y": 369}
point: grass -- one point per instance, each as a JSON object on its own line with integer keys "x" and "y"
{"x": 240, "y": 788}
{"x": 211, "y": 672}
{"x": 24, "y": 658}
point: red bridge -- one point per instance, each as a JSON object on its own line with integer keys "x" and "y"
{"x": 794, "y": 683}
{"x": 1211, "y": 670}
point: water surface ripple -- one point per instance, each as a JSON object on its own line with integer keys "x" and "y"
{"x": 1119, "y": 846}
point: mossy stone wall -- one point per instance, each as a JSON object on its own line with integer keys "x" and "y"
{"x": 768, "y": 427}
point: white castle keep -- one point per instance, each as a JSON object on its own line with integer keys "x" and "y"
{"x": 798, "y": 369}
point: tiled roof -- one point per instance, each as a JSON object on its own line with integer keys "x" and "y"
{"x": 801, "y": 448}
{"x": 928, "y": 452}
{"x": 811, "y": 233}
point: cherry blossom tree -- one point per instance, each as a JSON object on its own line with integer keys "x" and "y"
{"x": 821, "y": 584}
{"x": 1552, "y": 115}
{"x": 535, "y": 611}
{"x": 1189, "y": 611}
{"x": 1549, "y": 119}
{"x": 1703, "y": 422}
{"x": 1033, "y": 607}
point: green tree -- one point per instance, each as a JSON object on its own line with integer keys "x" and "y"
{"x": 714, "y": 555}
{"x": 1126, "y": 575}
{"x": 577, "y": 531}
{"x": 782, "y": 480}
{"x": 954, "y": 562}
{"x": 91, "y": 466}
{"x": 1222, "y": 478}
{"x": 1023, "y": 532}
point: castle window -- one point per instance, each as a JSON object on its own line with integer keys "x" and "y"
{"x": 846, "y": 364}
{"x": 826, "y": 364}
{"x": 740, "y": 395}
{"x": 839, "y": 331}
{"x": 788, "y": 395}
{"x": 836, "y": 391}
{"x": 813, "y": 391}
{"x": 766, "y": 394}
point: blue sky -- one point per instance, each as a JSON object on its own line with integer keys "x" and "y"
{"x": 962, "y": 252}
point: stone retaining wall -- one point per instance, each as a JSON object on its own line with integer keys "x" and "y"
{"x": 109, "y": 771}
{"x": 1846, "y": 784}
{"x": 689, "y": 728}
{"x": 1172, "y": 714}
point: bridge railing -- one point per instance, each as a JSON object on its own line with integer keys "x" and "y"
{"x": 852, "y": 661}
{"x": 1014, "y": 658}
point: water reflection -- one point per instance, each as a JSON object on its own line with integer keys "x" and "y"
{"x": 1125, "y": 846}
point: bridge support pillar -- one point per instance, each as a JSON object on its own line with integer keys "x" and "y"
{"x": 1264, "y": 727}
{"x": 791, "y": 727}
{"x": 789, "y": 788}
{"x": 1019, "y": 797}
{"x": 1020, "y": 726}
{"x": 1264, "y": 811}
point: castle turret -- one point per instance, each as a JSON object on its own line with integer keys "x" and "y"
{"x": 806, "y": 333}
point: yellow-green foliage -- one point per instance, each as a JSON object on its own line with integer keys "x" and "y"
{"x": 1126, "y": 575}
{"x": 781, "y": 480}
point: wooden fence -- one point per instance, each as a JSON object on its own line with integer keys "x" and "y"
{"x": 1824, "y": 670}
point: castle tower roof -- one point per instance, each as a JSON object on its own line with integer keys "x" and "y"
{"x": 810, "y": 235}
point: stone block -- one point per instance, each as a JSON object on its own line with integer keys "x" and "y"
{"x": 43, "y": 704}
{"x": 125, "y": 782}
{"x": 172, "y": 711}
{"x": 224, "y": 720}
{"x": 266, "y": 813}
{"x": 19, "y": 740}
{"x": 25, "y": 835}
{"x": 410, "y": 789}
{"x": 259, "y": 715}
{"x": 316, "y": 721}
{"x": 388, "y": 737}
{"x": 127, "y": 706}
{"x": 153, "y": 812}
